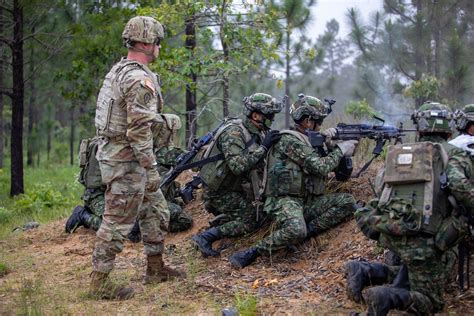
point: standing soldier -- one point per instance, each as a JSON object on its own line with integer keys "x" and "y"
{"x": 127, "y": 105}
{"x": 413, "y": 218}
{"x": 90, "y": 215}
{"x": 294, "y": 189}
{"x": 232, "y": 184}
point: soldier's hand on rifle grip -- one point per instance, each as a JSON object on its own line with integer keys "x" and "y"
{"x": 271, "y": 138}
{"x": 348, "y": 147}
{"x": 330, "y": 133}
{"x": 152, "y": 179}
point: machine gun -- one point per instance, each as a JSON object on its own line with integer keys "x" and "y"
{"x": 379, "y": 133}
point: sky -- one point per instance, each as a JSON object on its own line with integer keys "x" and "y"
{"x": 325, "y": 10}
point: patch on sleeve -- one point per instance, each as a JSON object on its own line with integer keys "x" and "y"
{"x": 148, "y": 83}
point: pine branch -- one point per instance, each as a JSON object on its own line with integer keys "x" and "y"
{"x": 6, "y": 92}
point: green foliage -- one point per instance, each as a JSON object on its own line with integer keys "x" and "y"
{"x": 39, "y": 198}
{"x": 51, "y": 193}
{"x": 423, "y": 90}
{"x": 360, "y": 110}
{"x": 246, "y": 304}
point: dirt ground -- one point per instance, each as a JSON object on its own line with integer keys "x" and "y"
{"x": 49, "y": 273}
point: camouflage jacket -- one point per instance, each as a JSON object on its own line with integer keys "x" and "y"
{"x": 137, "y": 88}
{"x": 460, "y": 174}
{"x": 295, "y": 168}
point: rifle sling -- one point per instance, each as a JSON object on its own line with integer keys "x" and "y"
{"x": 207, "y": 160}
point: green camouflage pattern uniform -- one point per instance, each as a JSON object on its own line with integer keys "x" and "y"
{"x": 231, "y": 198}
{"x": 429, "y": 268}
{"x": 459, "y": 172}
{"x": 126, "y": 108}
{"x": 94, "y": 199}
{"x": 291, "y": 213}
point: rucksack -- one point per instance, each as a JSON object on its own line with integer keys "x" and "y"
{"x": 412, "y": 200}
{"x": 90, "y": 175}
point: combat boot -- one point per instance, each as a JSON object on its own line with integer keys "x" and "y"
{"x": 204, "y": 241}
{"x": 135, "y": 234}
{"x": 157, "y": 272}
{"x": 380, "y": 300}
{"x": 102, "y": 288}
{"x": 79, "y": 217}
{"x": 244, "y": 258}
{"x": 360, "y": 274}
{"x": 311, "y": 231}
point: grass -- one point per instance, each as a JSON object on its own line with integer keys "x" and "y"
{"x": 246, "y": 304}
{"x": 50, "y": 193}
{"x": 3, "y": 269}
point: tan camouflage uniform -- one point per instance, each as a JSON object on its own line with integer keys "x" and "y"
{"x": 123, "y": 162}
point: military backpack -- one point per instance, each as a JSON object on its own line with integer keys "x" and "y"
{"x": 90, "y": 175}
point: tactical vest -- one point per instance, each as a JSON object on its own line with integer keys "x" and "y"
{"x": 285, "y": 177}
{"x": 412, "y": 200}
{"x": 90, "y": 175}
{"x": 217, "y": 175}
{"x": 111, "y": 112}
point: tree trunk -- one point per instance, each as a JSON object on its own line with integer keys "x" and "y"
{"x": 71, "y": 138}
{"x": 287, "y": 74}
{"x": 2, "y": 72}
{"x": 31, "y": 109}
{"x": 225, "y": 49}
{"x": 17, "y": 185}
{"x": 191, "y": 104}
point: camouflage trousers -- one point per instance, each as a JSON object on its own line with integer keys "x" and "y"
{"x": 126, "y": 200}
{"x": 291, "y": 214}
{"x": 239, "y": 210}
{"x": 429, "y": 270}
{"x": 179, "y": 219}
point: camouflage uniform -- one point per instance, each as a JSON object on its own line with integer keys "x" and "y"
{"x": 294, "y": 189}
{"x": 427, "y": 265}
{"x": 94, "y": 201}
{"x": 230, "y": 184}
{"x": 127, "y": 106}
{"x": 231, "y": 198}
{"x": 292, "y": 213}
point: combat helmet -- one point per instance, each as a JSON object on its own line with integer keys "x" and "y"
{"x": 308, "y": 106}
{"x": 165, "y": 129}
{"x": 262, "y": 103}
{"x": 464, "y": 116}
{"x": 143, "y": 29}
{"x": 433, "y": 117}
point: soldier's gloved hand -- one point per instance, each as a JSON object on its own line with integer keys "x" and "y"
{"x": 271, "y": 138}
{"x": 348, "y": 147}
{"x": 330, "y": 133}
{"x": 152, "y": 179}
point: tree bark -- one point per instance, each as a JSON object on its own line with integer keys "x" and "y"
{"x": 16, "y": 143}
{"x": 287, "y": 73}
{"x": 225, "y": 49}
{"x": 31, "y": 108}
{"x": 71, "y": 138}
{"x": 2, "y": 72}
{"x": 191, "y": 104}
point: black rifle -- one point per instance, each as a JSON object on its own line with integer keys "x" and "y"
{"x": 379, "y": 133}
{"x": 184, "y": 161}
{"x": 187, "y": 192}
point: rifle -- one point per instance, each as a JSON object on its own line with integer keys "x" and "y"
{"x": 187, "y": 191}
{"x": 379, "y": 133}
{"x": 184, "y": 161}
